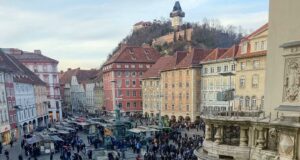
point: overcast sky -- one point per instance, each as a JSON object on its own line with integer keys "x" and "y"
{"x": 81, "y": 33}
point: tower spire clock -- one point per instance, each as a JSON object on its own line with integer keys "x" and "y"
{"x": 176, "y": 16}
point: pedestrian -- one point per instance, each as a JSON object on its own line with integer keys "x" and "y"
{"x": 11, "y": 143}
{"x": 20, "y": 157}
{"x": 51, "y": 156}
{"x": 6, "y": 154}
{"x": 1, "y": 147}
{"x": 90, "y": 154}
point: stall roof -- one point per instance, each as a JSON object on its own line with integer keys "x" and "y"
{"x": 52, "y": 129}
{"x": 33, "y": 139}
{"x": 62, "y": 132}
{"x": 142, "y": 129}
{"x": 56, "y": 138}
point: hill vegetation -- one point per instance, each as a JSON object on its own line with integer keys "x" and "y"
{"x": 208, "y": 34}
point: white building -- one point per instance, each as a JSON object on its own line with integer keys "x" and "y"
{"x": 213, "y": 82}
{"x": 4, "y": 120}
{"x": 25, "y": 101}
{"x": 46, "y": 69}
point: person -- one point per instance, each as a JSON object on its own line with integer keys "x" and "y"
{"x": 11, "y": 143}
{"x": 1, "y": 147}
{"x": 51, "y": 156}
{"x": 20, "y": 157}
{"x": 6, "y": 154}
{"x": 90, "y": 154}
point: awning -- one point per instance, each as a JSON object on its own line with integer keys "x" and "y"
{"x": 33, "y": 140}
{"x": 56, "y": 138}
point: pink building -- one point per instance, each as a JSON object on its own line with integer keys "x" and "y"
{"x": 126, "y": 68}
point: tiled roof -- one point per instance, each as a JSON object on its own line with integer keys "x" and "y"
{"x": 81, "y": 75}
{"x": 258, "y": 31}
{"x": 215, "y": 54}
{"x": 134, "y": 54}
{"x": 230, "y": 53}
{"x": 160, "y": 65}
{"x": 21, "y": 73}
{"x": 25, "y": 56}
{"x": 251, "y": 54}
{"x": 175, "y": 60}
{"x": 193, "y": 58}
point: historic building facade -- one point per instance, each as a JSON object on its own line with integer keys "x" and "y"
{"x": 77, "y": 88}
{"x": 46, "y": 69}
{"x": 123, "y": 71}
{"x": 4, "y": 119}
{"x": 152, "y": 89}
{"x": 94, "y": 94}
{"x": 250, "y": 72}
{"x": 180, "y": 85}
{"x": 40, "y": 93}
{"x": 272, "y": 133}
{"x": 215, "y": 80}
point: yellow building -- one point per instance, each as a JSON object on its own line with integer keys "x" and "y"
{"x": 41, "y": 104}
{"x": 250, "y": 71}
{"x": 151, "y": 88}
{"x": 180, "y": 85}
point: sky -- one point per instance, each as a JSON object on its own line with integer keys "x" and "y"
{"x": 81, "y": 33}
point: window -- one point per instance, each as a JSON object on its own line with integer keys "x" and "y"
{"x": 219, "y": 69}
{"x": 180, "y": 96}
{"x": 132, "y": 66}
{"x": 134, "y": 93}
{"x": 172, "y": 107}
{"x": 127, "y": 73}
{"x": 173, "y": 73}
{"x": 141, "y": 73}
{"x": 187, "y": 95}
{"x": 118, "y": 66}
{"x": 256, "y": 64}
{"x": 141, "y": 83}
{"x": 242, "y": 81}
{"x": 241, "y": 102}
{"x": 243, "y": 65}
{"x": 225, "y": 68}
{"x": 127, "y": 82}
{"x": 187, "y": 72}
{"x": 187, "y": 84}
{"x": 212, "y": 70}
{"x": 119, "y": 82}
{"x": 262, "y": 102}
{"x": 256, "y": 46}
{"x": 233, "y": 67}
{"x": 255, "y": 80}
{"x": 133, "y": 82}
{"x": 173, "y": 85}
{"x": 262, "y": 46}
{"x": 126, "y": 66}
{"x": 128, "y": 105}
{"x": 205, "y": 70}
{"x": 247, "y": 101}
{"x": 147, "y": 66}
{"x": 119, "y": 93}
{"x": 179, "y": 107}
{"x": 140, "y": 65}
{"x": 119, "y": 73}
{"x": 173, "y": 96}
{"x": 166, "y": 106}
{"x": 133, "y": 74}
{"x": 187, "y": 107}
{"x": 180, "y": 84}
{"x": 253, "y": 102}
{"x": 134, "y": 104}
{"x": 45, "y": 68}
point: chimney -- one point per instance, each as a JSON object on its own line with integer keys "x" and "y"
{"x": 37, "y": 51}
{"x": 61, "y": 72}
{"x": 69, "y": 69}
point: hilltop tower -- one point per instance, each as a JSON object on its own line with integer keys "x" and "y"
{"x": 176, "y": 16}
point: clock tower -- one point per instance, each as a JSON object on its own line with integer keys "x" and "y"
{"x": 176, "y": 16}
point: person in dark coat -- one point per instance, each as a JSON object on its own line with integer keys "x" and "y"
{"x": 51, "y": 156}
{"x": 1, "y": 147}
{"x": 6, "y": 153}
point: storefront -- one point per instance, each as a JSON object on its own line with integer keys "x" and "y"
{"x": 5, "y": 134}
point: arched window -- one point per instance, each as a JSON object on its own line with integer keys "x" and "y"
{"x": 253, "y": 102}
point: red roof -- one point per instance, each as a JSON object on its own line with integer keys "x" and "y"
{"x": 161, "y": 64}
{"x": 81, "y": 75}
{"x": 215, "y": 54}
{"x": 256, "y": 32}
{"x": 230, "y": 53}
{"x": 134, "y": 54}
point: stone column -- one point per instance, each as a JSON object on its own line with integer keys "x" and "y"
{"x": 218, "y": 135}
{"x": 243, "y": 136}
{"x": 261, "y": 138}
{"x": 208, "y": 132}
